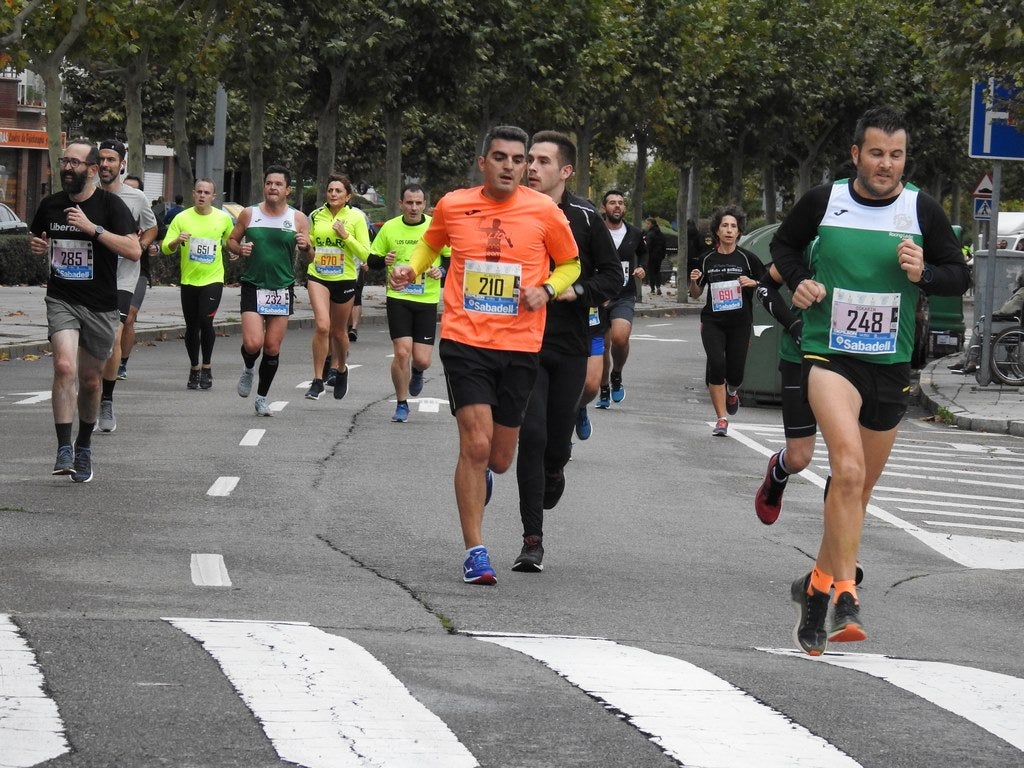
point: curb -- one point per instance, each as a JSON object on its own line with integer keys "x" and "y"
{"x": 934, "y": 401}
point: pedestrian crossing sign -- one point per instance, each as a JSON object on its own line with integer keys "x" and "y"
{"x": 982, "y": 209}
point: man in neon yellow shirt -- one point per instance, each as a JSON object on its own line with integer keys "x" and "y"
{"x": 199, "y": 234}
{"x": 412, "y": 311}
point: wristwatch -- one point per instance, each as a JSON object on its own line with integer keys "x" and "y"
{"x": 577, "y": 288}
{"x": 550, "y": 289}
{"x": 99, "y": 231}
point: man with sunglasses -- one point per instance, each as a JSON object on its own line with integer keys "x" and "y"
{"x": 81, "y": 230}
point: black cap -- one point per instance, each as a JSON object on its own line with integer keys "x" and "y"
{"x": 115, "y": 145}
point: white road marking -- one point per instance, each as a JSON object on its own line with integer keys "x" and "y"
{"x": 991, "y": 700}
{"x": 208, "y": 570}
{"x": 322, "y": 700}
{"x": 429, "y": 404}
{"x": 759, "y": 329}
{"x": 31, "y": 731}
{"x": 223, "y": 486}
{"x": 34, "y": 397}
{"x": 253, "y": 437}
{"x": 976, "y": 526}
{"x": 278, "y": 405}
{"x": 694, "y": 716}
{"x": 968, "y": 551}
{"x": 949, "y": 513}
{"x": 648, "y": 337}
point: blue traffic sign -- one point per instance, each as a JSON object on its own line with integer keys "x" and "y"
{"x": 992, "y": 134}
{"x": 982, "y": 209}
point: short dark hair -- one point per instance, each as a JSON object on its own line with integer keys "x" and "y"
{"x": 727, "y": 210}
{"x": 209, "y": 181}
{"x": 611, "y": 192}
{"x": 412, "y": 187}
{"x": 278, "y": 169}
{"x": 93, "y": 158}
{"x": 505, "y": 133}
{"x": 179, "y": 199}
{"x": 887, "y": 119}
{"x": 133, "y": 177}
{"x": 566, "y": 147}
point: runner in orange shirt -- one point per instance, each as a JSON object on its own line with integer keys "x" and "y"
{"x": 503, "y": 237}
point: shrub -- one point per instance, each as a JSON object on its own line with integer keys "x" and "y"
{"x": 17, "y": 264}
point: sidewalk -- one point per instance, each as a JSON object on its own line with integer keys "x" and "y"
{"x": 951, "y": 396}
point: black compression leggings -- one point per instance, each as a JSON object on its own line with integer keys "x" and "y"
{"x": 199, "y": 304}
{"x": 726, "y": 347}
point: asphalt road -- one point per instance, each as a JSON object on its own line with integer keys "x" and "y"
{"x": 338, "y": 519}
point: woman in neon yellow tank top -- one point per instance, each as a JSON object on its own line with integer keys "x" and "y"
{"x": 341, "y": 243}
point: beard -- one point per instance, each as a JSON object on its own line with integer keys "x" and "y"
{"x": 72, "y": 182}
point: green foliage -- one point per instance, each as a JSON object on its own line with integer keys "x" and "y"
{"x": 18, "y": 266}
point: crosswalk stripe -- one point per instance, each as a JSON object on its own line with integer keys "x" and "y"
{"x": 223, "y": 486}
{"x": 991, "y": 700}
{"x": 31, "y": 731}
{"x": 324, "y": 701}
{"x": 694, "y": 716}
{"x": 209, "y": 570}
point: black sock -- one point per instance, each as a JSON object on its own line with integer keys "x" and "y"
{"x": 780, "y": 468}
{"x": 108, "y": 389}
{"x": 268, "y": 369}
{"x": 63, "y": 434}
{"x": 250, "y": 358}
{"x": 84, "y": 439}
{"x": 124, "y": 361}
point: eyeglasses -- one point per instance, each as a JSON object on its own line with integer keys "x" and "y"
{"x": 71, "y": 162}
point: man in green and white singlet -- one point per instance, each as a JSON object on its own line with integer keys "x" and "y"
{"x": 267, "y": 236}
{"x": 880, "y": 242}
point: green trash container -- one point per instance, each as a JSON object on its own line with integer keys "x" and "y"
{"x": 946, "y": 336}
{"x": 762, "y": 382}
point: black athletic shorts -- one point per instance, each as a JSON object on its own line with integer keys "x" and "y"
{"x": 124, "y": 303}
{"x": 503, "y": 380}
{"x": 884, "y": 388}
{"x": 417, "y": 319}
{"x": 341, "y": 291}
{"x": 797, "y": 417}
{"x": 248, "y": 298}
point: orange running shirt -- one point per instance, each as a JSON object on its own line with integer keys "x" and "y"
{"x": 497, "y": 248}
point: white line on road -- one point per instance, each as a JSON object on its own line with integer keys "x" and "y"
{"x": 31, "y": 731}
{"x": 977, "y": 527}
{"x": 324, "y": 701}
{"x": 208, "y": 570}
{"x": 968, "y": 551}
{"x": 930, "y": 510}
{"x": 991, "y": 700}
{"x": 694, "y": 716}
{"x": 223, "y": 486}
{"x": 278, "y": 405}
{"x": 430, "y": 404}
{"x": 253, "y": 437}
{"x": 35, "y": 397}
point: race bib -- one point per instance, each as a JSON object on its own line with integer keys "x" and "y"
{"x": 329, "y": 261}
{"x": 492, "y": 287}
{"x": 625, "y": 272}
{"x": 272, "y": 301}
{"x": 594, "y": 318}
{"x": 418, "y": 288}
{"x": 72, "y": 259}
{"x": 202, "y": 250}
{"x": 864, "y": 323}
{"x": 726, "y": 295}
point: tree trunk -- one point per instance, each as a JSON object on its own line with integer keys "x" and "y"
{"x": 770, "y": 210}
{"x": 736, "y": 186}
{"x": 137, "y": 74}
{"x": 393, "y": 118}
{"x": 257, "y": 127}
{"x": 584, "y": 140}
{"x": 682, "y": 205}
{"x": 182, "y": 155}
{"x": 51, "y": 79}
{"x": 694, "y": 194}
{"x": 327, "y": 131}
{"x": 639, "y": 179}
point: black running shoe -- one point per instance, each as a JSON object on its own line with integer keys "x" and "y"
{"x": 809, "y": 632}
{"x": 341, "y": 384}
{"x": 531, "y": 558}
{"x": 193, "y": 379}
{"x": 65, "y": 464}
{"x": 205, "y": 378}
{"x": 83, "y": 465}
{"x": 554, "y": 487}
{"x": 846, "y": 624}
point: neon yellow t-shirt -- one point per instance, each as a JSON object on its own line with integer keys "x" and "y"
{"x": 202, "y": 257}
